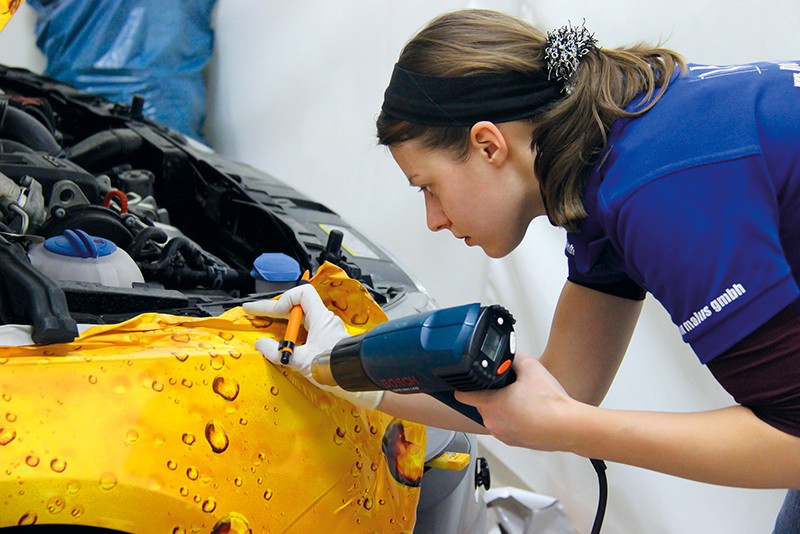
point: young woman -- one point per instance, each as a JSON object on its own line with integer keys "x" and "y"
{"x": 682, "y": 181}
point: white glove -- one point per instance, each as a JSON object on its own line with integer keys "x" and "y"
{"x": 324, "y": 328}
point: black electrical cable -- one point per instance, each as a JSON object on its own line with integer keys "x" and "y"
{"x": 602, "y": 482}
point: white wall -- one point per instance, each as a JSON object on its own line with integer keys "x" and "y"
{"x": 295, "y": 88}
{"x": 18, "y": 43}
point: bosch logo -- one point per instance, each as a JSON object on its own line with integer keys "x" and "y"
{"x": 404, "y": 382}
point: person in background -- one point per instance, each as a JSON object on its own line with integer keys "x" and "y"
{"x": 674, "y": 179}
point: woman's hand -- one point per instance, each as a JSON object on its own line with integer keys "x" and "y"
{"x": 325, "y": 329}
{"x": 533, "y": 412}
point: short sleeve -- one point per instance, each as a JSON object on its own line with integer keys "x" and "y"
{"x": 705, "y": 242}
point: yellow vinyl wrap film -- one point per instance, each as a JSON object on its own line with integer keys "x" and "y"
{"x": 167, "y": 424}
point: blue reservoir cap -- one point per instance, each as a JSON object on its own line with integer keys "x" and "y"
{"x": 79, "y": 244}
{"x": 275, "y": 267}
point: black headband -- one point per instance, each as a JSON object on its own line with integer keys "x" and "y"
{"x": 465, "y": 100}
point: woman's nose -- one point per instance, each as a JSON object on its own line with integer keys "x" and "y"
{"x": 434, "y": 214}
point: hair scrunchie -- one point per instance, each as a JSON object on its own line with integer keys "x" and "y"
{"x": 565, "y": 48}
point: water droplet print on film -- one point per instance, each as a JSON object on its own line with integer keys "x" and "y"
{"x": 108, "y": 481}
{"x": 58, "y": 465}
{"x": 227, "y": 388}
{"x": 28, "y": 518}
{"x": 338, "y": 436}
{"x": 227, "y": 336}
{"x": 216, "y": 436}
{"x": 233, "y": 523}
{"x": 7, "y": 435}
{"x": 132, "y": 435}
{"x": 55, "y": 504}
{"x": 180, "y": 338}
{"x": 217, "y": 361}
{"x": 209, "y": 505}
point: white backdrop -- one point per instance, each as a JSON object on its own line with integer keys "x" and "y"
{"x": 294, "y": 90}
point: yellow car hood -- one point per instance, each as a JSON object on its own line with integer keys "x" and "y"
{"x": 176, "y": 424}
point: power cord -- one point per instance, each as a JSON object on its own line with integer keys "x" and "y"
{"x": 602, "y": 481}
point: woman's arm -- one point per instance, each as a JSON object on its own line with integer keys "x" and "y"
{"x": 730, "y": 446}
{"x": 425, "y": 409}
{"x": 588, "y": 338}
{"x": 586, "y": 362}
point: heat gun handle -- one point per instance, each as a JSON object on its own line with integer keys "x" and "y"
{"x": 449, "y": 398}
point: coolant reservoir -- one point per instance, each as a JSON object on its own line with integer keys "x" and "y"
{"x": 77, "y": 256}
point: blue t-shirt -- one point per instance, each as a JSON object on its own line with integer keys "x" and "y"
{"x": 698, "y": 202}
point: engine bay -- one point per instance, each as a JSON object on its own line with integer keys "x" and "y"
{"x": 76, "y": 167}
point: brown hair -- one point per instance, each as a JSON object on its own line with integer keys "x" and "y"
{"x": 568, "y": 135}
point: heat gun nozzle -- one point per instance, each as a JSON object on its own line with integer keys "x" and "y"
{"x": 321, "y": 369}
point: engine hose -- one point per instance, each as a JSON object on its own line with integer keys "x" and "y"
{"x": 103, "y": 149}
{"x": 7, "y": 146}
{"x": 22, "y": 127}
{"x": 169, "y": 254}
{"x": 186, "y": 277}
{"x": 199, "y": 269}
{"x": 215, "y": 277}
{"x": 121, "y": 197}
{"x": 144, "y": 238}
{"x": 190, "y": 252}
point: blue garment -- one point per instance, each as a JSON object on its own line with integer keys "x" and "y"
{"x": 122, "y": 48}
{"x": 788, "y": 521}
{"x": 698, "y": 202}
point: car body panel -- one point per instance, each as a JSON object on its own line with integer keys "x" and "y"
{"x": 164, "y": 423}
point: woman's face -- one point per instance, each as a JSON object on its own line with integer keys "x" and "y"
{"x": 484, "y": 201}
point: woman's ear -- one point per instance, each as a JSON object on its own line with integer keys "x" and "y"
{"x": 489, "y": 141}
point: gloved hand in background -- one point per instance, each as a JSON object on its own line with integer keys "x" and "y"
{"x": 324, "y": 328}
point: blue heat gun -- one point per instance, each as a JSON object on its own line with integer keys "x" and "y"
{"x": 463, "y": 348}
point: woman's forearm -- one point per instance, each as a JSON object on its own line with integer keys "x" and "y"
{"x": 589, "y": 336}
{"x": 424, "y": 409}
{"x": 730, "y": 446}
